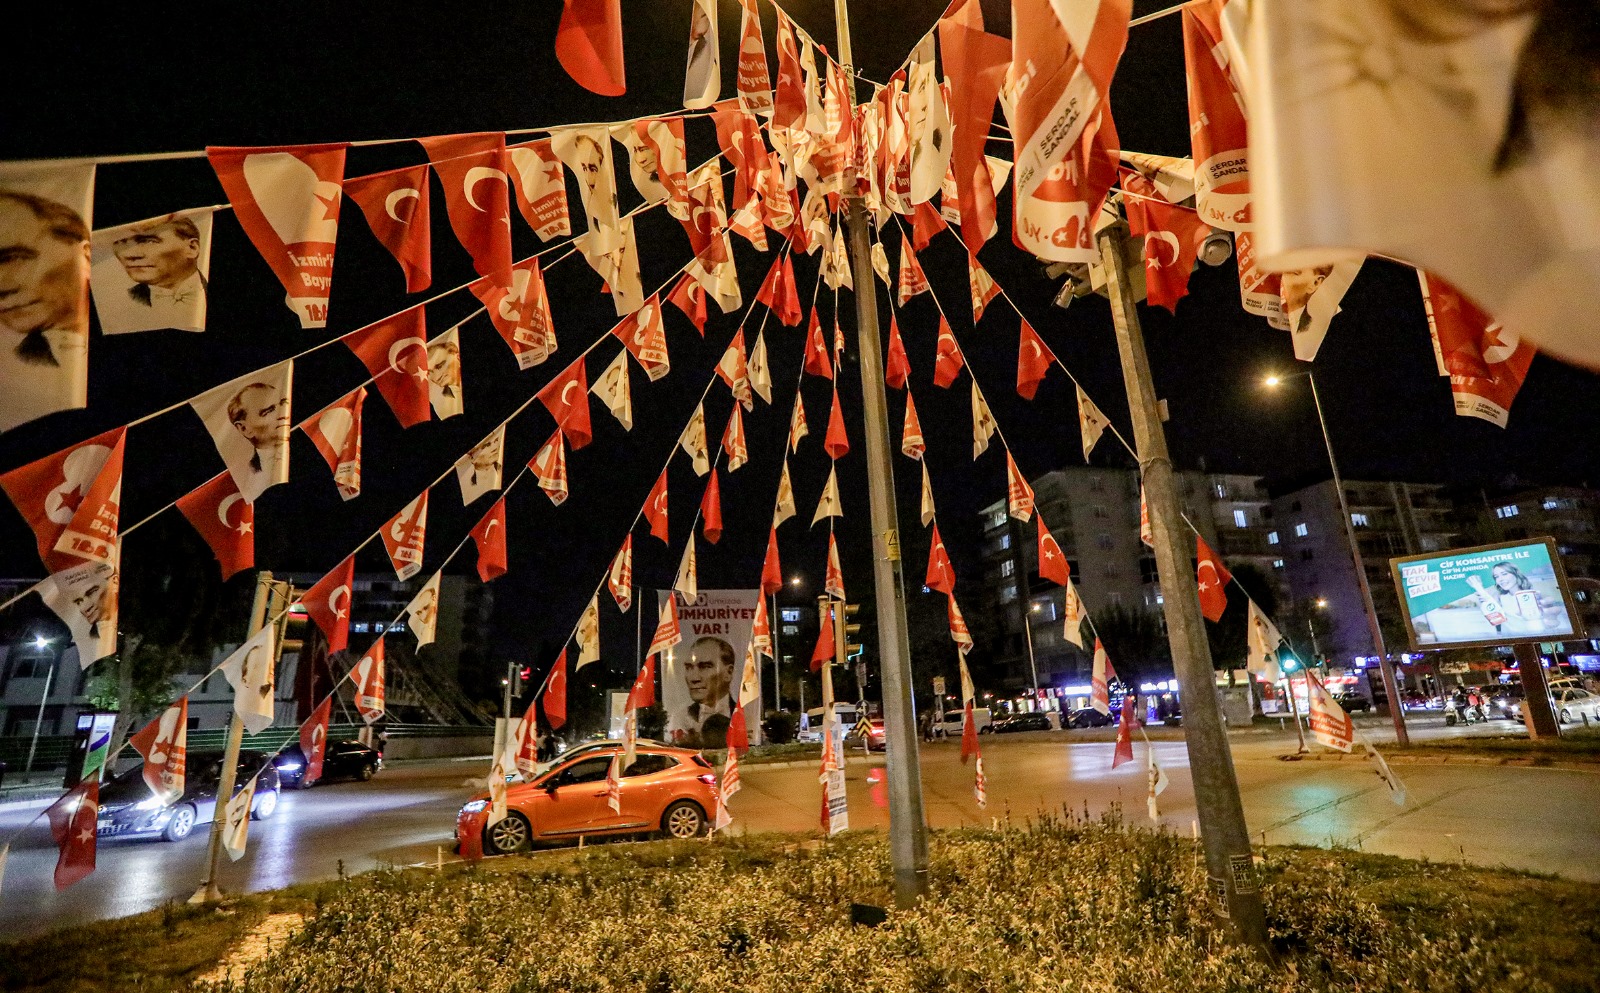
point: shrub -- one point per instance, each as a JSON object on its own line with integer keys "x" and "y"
{"x": 779, "y": 726}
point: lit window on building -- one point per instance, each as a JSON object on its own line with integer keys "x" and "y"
{"x": 1240, "y": 518}
{"x": 1509, "y": 510}
{"x": 1277, "y": 563}
{"x": 997, "y": 519}
{"x": 1300, "y": 530}
{"x": 1359, "y": 520}
{"x": 1008, "y": 568}
{"x": 1005, "y": 541}
{"x": 1221, "y": 490}
{"x": 790, "y": 614}
{"x": 1008, "y": 593}
{"x": 789, "y": 629}
{"x": 1272, "y": 537}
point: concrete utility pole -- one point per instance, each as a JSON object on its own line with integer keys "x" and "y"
{"x": 209, "y": 890}
{"x": 908, "y": 826}
{"x": 1216, "y": 787}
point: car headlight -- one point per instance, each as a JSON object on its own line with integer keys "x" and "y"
{"x": 474, "y": 806}
{"x": 290, "y": 766}
{"x": 152, "y": 803}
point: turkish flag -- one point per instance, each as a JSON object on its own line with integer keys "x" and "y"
{"x": 655, "y": 507}
{"x": 490, "y": 536}
{"x": 1212, "y": 578}
{"x": 589, "y": 45}
{"x": 396, "y": 207}
{"x": 947, "y": 359}
{"x": 74, "y": 824}
{"x": 395, "y": 352}
{"x": 554, "y": 697}
{"x": 1124, "y": 749}
{"x": 226, "y": 520}
{"x": 1100, "y": 679}
{"x": 1052, "y": 562}
{"x": 480, "y": 215}
{"x": 641, "y": 332}
{"x": 71, "y": 501}
{"x": 941, "y": 575}
{"x": 567, "y": 399}
{"x": 549, "y": 465}
{"x": 367, "y": 677}
{"x": 1486, "y": 363}
{"x": 734, "y": 443}
{"x": 912, "y": 279}
{"x": 643, "y": 692}
{"x": 734, "y": 370}
{"x": 287, "y": 200}
{"x": 912, "y": 444}
{"x": 164, "y": 744}
{"x": 739, "y": 137}
{"x": 1034, "y": 358}
{"x": 925, "y": 223}
{"x": 969, "y": 732}
{"x": 975, "y": 63}
{"x": 1172, "y": 239}
{"x": 540, "y": 183}
{"x": 711, "y": 509}
{"x": 771, "y": 570}
{"x": 336, "y": 431}
{"x": 833, "y": 578}
{"x": 817, "y": 361}
{"x": 836, "y": 442}
{"x": 897, "y": 367}
{"x": 824, "y": 649}
{"x": 789, "y": 99}
{"x": 328, "y": 604}
{"x": 519, "y": 308}
{"x": 689, "y": 297}
{"x": 403, "y": 537}
{"x": 982, "y": 286}
{"x": 779, "y": 293}
{"x": 314, "y": 739}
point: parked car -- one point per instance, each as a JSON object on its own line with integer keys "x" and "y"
{"x": 1353, "y": 703}
{"x": 127, "y": 806}
{"x": 606, "y": 745}
{"x": 1019, "y": 722}
{"x": 873, "y": 730}
{"x": 340, "y": 760}
{"x": 1505, "y": 700}
{"x": 951, "y": 726}
{"x": 1575, "y": 705}
{"x": 667, "y": 790}
{"x": 1088, "y": 717}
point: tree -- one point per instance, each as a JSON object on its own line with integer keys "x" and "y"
{"x": 1136, "y": 641}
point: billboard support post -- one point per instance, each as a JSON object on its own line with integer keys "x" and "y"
{"x": 1537, "y": 713}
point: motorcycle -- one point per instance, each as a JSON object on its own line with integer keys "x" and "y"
{"x": 1462, "y": 714}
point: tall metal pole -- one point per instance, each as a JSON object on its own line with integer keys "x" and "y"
{"x": 209, "y": 890}
{"x": 1216, "y": 787}
{"x": 49, "y": 677}
{"x": 908, "y": 826}
{"x": 1391, "y": 685}
{"x": 1294, "y": 712}
{"x": 775, "y": 621}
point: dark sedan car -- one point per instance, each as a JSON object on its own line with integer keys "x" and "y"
{"x": 128, "y": 808}
{"x": 1020, "y": 722}
{"x": 1088, "y": 717}
{"x": 341, "y": 760}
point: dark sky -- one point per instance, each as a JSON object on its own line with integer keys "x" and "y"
{"x": 138, "y": 83}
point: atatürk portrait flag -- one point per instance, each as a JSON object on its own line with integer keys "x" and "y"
{"x": 395, "y": 204}
{"x": 287, "y": 200}
{"x": 249, "y": 420}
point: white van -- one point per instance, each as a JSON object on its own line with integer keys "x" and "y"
{"x": 981, "y": 716}
{"x": 845, "y": 714}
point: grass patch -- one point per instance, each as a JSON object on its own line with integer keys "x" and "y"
{"x": 1575, "y": 744}
{"x": 1057, "y": 904}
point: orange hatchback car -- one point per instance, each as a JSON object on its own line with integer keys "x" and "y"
{"x": 671, "y": 790}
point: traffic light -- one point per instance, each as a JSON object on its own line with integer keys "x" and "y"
{"x": 1288, "y": 661}
{"x": 852, "y": 629}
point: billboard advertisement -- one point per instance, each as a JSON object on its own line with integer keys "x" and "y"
{"x": 1485, "y": 596}
{"x": 700, "y": 677}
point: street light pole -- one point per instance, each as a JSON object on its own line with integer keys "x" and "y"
{"x": 908, "y": 825}
{"x": 49, "y": 677}
{"x": 1226, "y": 839}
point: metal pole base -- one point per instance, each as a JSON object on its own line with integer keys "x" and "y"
{"x": 207, "y": 893}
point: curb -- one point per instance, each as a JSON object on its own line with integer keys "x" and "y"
{"x": 1406, "y": 758}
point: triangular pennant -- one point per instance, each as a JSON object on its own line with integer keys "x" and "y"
{"x": 489, "y": 534}
{"x": 668, "y": 632}
{"x": 518, "y": 305}
{"x": 689, "y": 297}
{"x": 226, "y": 520}
{"x": 897, "y": 366}
{"x": 646, "y": 341}
{"x": 1100, "y": 680}
{"x": 251, "y": 671}
{"x": 567, "y": 399}
{"x": 404, "y": 535}
{"x": 249, "y": 420}
{"x": 711, "y": 509}
{"x": 983, "y": 423}
{"x": 928, "y": 511}
{"x": 687, "y": 581}
{"x": 983, "y": 287}
{"x": 693, "y": 441}
{"x": 367, "y": 678}
{"x": 912, "y": 279}
{"x": 71, "y": 500}
{"x": 947, "y": 358}
{"x": 760, "y": 373}
{"x": 1073, "y": 614}
{"x": 327, "y": 603}
{"x": 1091, "y": 422}
{"x": 959, "y": 633}
{"x": 817, "y": 361}
{"x": 164, "y": 746}
{"x": 798, "y": 428}
{"x": 480, "y": 470}
{"x": 395, "y": 352}
{"x": 752, "y": 80}
{"x": 734, "y": 444}
{"x": 655, "y": 507}
{"x": 1052, "y": 562}
{"x": 828, "y": 503}
{"x": 554, "y": 698}
{"x": 396, "y": 207}
{"x": 422, "y": 613}
{"x": 785, "y": 505}
{"x": 549, "y": 466}
{"x": 336, "y": 432}
{"x": 1146, "y": 535}
{"x": 836, "y": 442}
{"x": 616, "y": 391}
{"x": 734, "y": 370}
{"x": 619, "y": 578}
{"x": 912, "y": 444}
{"x": 444, "y": 374}
{"x": 833, "y": 578}
{"x": 479, "y": 215}
{"x": 771, "y": 568}
{"x": 779, "y": 292}
{"x": 1211, "y": 578}
{"x": 589, "y": 45}
{"x": 1034, "y": 358}
{"x": 588, "y": 633}
{"x": 1019, "y": 495}
{"x": 540, "y": 183}
{"x": 941, "y": 575}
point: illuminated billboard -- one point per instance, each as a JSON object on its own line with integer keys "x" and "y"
{"x": 1485, "y": 596}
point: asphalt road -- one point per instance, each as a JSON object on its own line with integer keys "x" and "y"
{"x": 1531, "y": 818}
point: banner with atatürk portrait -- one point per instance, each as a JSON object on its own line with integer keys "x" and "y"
{"x": 152, "y": 274}
{"x": 700, "y": 676}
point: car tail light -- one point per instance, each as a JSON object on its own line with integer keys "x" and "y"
{"x": 707, "y": 778}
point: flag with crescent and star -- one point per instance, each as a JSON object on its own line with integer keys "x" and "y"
{"x": 655, "y": 508}
{"x": 1034, "y": 359}
{"x": 71, "y": 500}
{"x": 489, "y": 534}
{"x": 567, "y": 398}
{"x": 589, "y": 45}
{"x": 395, "y": 352}
{"x": 1052, "y": 563}
{"x": 74, "y": 823}
{"x": 518, "y": 305}
{"x": 335, "y": 430}
{"x": 314, "y": 739}
{"x": 226, "y": 520}
{"x": 947, "y": 358}
{"x": 554, "y": 698}
{"x": 897, "y": 366}
{"x": 540, "y": 184}
{"x": 395, "y": 204}
{"x": 1212, "y": 578}
{"x": 1486, "y": 363}
{"x": 328, "y": 603}
{"x": 472, "y": 168}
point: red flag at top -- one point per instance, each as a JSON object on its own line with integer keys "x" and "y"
{"x": 1172, "y": 239}
{"x": 947, "y": 359}
{"x": 836, "y": 442}
{"x": 643, "y": 692}
{"x": 314, "y": 739}
{"x": 589, "y": 45}
{"x": 328, "y": 604}
{"x": 1052, "y": 562}
{"x": 690, "y": 297}
{"x": 771, "y": 570}
{"x": 925, "y": 223}
{"x": 789, "y": 98}
{"x": 554, "y": 697}
{"x": 567, "y": 399}
{"x": 70, "y": 499}
{"x": 941, "y": 575}
{"x": 975, "y": 63}
{"x": 490, "y": 536}
{"x": 1033, "y": 361}
{"x": 655, "y": 508}
{"x": 896, "y": 367}
{"x": 824, "y": 649}
{"x": 74, "y": 824}
{"x": 396, "y": 207}
{"x": 287, "y": 200}
{"x": 833, "y": 578}
{"x": 1212, "y": 578}
{"x": 477, "y": 194}
{"x": 1218, "y": 131}
{"x": 395, "y": 352}
{"x": 779, "y": 293}
{"x": 711, "y": 509}
{"x": 817, "y": 361}
{"x": 226, "y": 520}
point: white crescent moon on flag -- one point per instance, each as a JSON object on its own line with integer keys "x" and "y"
{"x": 1206, "y": 564}
{"x": 392, "y": 201}
{"x": 661, "y": 502}
{"x": 1038, "y": 352}
{"x": 567, "y": 389}
{"x": 400, "y": 346}
{"x": 1158, "y": 238}
{"x": 476, "y": 175}
{"x": 226, "y": 504}
{"x": 490, "y": 526}
{"x": 333, "y": 600}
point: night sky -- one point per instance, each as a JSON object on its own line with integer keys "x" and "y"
{"x": 138, "y": 82}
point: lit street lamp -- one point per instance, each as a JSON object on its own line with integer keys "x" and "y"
{"x": 1391, "y": 685}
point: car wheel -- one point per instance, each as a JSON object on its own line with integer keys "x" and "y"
{"x": 304, "y": 782}
{"x": 683, "y": 819}
{"x": 366, "y": 773}
{"x": 509, "y": 834}
{"x": 181, "y": 825}
{"x": 1566, "y": 717}
{"x": 264, "y": 805}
